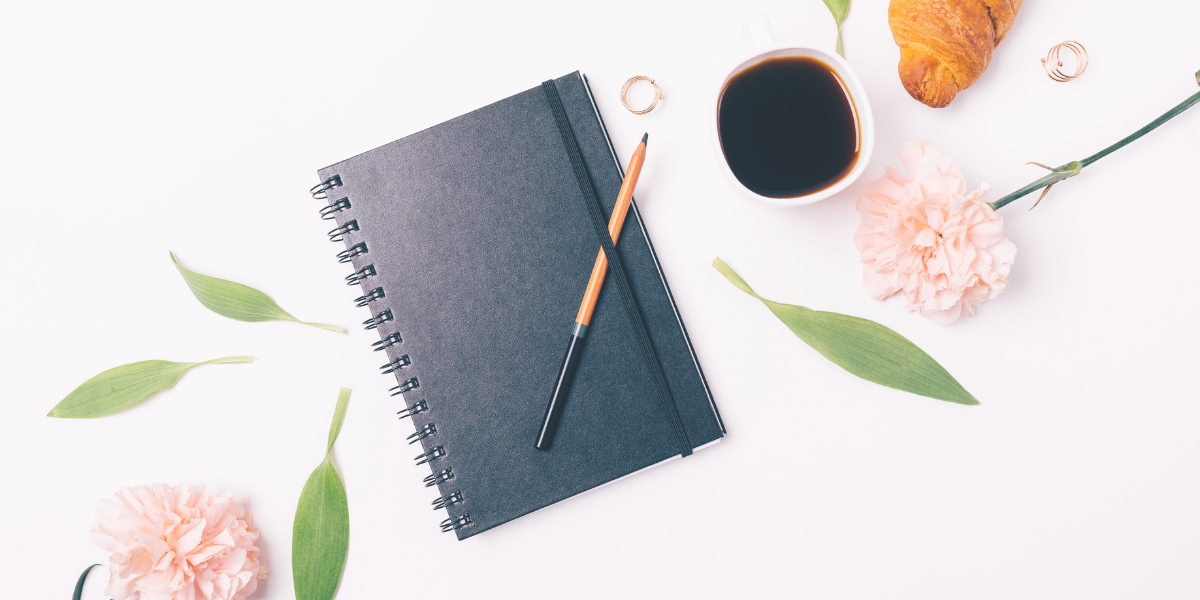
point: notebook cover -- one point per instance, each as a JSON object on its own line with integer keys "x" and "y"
{"x": 481, "y": 241}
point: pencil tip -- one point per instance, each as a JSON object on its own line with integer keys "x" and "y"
{"x": 645, "y": 137}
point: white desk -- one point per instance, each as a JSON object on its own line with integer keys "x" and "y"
{"x": 131, "y": 130}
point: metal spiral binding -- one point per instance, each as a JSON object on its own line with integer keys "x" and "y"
{"x": 319, "y": 191}
{"x": 348, "y": 255}
{"x": 379, "y": 319}
{"x": 448, "y": 500}
{"x": 366, "y": 299}
{"x": 455, "y": 523}
{"x": 339, "y": 233}
{"x": 391, "y": 340}
{"x": 409, "y": 384}
{"x": 361, "y": 274}
{"x": 434, "y": 454}
{"x": 425, "y": 431}
{"x": 330, "y": 212}
{"x": 419, "y": 407}
{"x": 444, "y": 475}
{"x": 396, "y": 365}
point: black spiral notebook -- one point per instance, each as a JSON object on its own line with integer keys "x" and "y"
{"x": 472, "y": 241}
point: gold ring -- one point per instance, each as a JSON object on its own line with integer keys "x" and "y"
{"x": 1053, "y": 57}
{"x": 625, "y": 91}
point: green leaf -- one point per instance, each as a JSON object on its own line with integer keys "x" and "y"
{"x": 321, "y": 530}
{"x": 125, "y": 386}
{"x": 838, "y": 8}
{"x": 339, "y": 415}
{"x": 237, "y": 301}
{"x": 79, "y": 584}
{"x": 864, "y": 348}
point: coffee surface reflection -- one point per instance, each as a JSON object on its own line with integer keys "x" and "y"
{"x": 788, "y": 127}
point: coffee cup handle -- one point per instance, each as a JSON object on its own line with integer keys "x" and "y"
{"x": 759, "y": 27}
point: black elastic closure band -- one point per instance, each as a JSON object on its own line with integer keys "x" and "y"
{"x": 636, "y": 319}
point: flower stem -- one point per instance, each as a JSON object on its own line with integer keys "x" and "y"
{"x": 1071, "y": 169}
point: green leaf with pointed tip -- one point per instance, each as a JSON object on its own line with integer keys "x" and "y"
{"x": 321, "y": 529}
{"x": 864, "y": 348}
{"x": 125, "y": 386}
{"x": 237, "y": 301}
{"x": 839, "y": 9}
{"x": 79, "y": 584}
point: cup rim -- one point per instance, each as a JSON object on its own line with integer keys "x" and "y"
{"x": 858, "y": 96}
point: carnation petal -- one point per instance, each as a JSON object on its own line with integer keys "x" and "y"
{"x": 225, "y": 538}
{"x": 162, "y": 532}
{"x": 986, "y": 233}
{"x": 879, "y": 285}
{"x": 911, "y": 156}
{"x": 924, "y": 238}
{"x": 944, "y": 317}
{"x": 978, "y": 194}
{"x": 192, "y": 536}
{"x": 921, "y": 235}
{"x": 1004, "y": 252}
{"x": 945, "y": 299}
{"x": 119, "y": 588}
{"x": 205, "y": 553}
{"x": 935, "y": 217}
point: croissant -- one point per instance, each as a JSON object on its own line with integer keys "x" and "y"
{"x": 945, "y": 45}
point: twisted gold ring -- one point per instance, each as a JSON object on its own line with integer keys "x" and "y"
{"x": 625, "y": 91}
{"x": 1054, "y": 56}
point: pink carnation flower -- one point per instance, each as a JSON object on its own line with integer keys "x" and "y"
{"x": 177, "y": 543}
{"x": 925, "y": 236}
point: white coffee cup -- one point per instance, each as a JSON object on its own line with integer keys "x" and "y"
{"x": 766, "y": 48}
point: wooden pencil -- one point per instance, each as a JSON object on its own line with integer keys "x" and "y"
{"x": 566, "y": 374}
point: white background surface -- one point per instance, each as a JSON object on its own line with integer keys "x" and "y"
{"x": 134, "y": 129}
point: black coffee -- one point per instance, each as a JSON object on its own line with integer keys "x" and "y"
{"x": 788, "y": 127}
